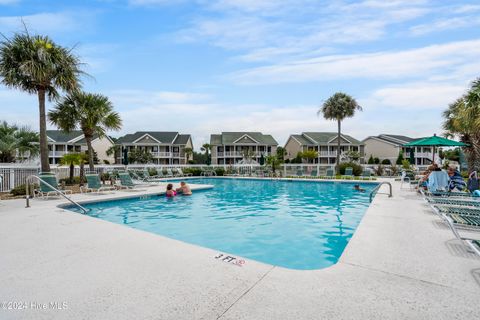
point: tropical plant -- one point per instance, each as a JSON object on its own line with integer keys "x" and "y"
{"x": 139, "y": 156}
{"x": 352, "y": 155}
{"x": 462, "y": 120}
{"x": 17, "y": 140}
{"x": 338, "y": 107}
{"x": 406, "y": 164}
{"x": 92, "y": 113}
{"x": 379, "y": 170}
{"x": 72, "y": 160}
{"x": 400, "y": 158}
{"x": 37, "y": 65}
{"x": 309, "y": 155}
{"x": 273, "y": 161}
{"x": 248, "y": 155}
{"x": 281, "y": 152}
{"x": 114, "y": 150}
{"x": 206, "y": 147}
{"x": 188, "y": 153}
{"x": 394, "y": 170}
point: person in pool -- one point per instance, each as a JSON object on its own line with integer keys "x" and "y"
{"x": 357, "y": 188}
{"x": 170, "y": 192}
{"x": 184, "y": 189}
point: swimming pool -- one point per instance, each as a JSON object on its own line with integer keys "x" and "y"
{"x": 293, "y": 224}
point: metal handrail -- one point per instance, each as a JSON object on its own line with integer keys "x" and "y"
{"x": 27, "y": 198}
{"x": 378, "y": 187}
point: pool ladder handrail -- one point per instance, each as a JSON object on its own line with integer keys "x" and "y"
{"x": 27, "y": 197}
{"x": 378, "y": 187}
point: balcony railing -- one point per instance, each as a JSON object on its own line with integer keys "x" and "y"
{"x": 327, "y": 153}
{"x": 241, "y": 154}
{"x": 58, "y": 153}
{"x": 161, "y": 154}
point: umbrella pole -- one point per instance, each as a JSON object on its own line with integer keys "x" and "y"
{"x": 433, "y": 156}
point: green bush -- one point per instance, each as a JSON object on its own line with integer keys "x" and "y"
{"x": 193, "y": 171}
{"x": 19, "y": 190}
{"x": 370, "y": 160}
{"x": 76, "y": 180}
{"x": 152, "y": 171}
{"x": 386, "y": 161}
{"x": 400, "y": 158}
{"x": 376, "y": 160}
{"x": 357, "y": 169}
{"x": 220, "y": 171}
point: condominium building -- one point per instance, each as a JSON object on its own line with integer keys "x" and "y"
{"x": 324, "y": 143}
{"x": 388, "y": 146}
{"x": 165, "y": 147}
{"x": 61, "y": 143}
{"x": 241, "y": 147}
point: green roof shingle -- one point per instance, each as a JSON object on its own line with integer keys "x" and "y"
{"x": 231, "y": 137}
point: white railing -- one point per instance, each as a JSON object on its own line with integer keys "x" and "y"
{"x": 58, "y": 153}
{"x": 327, "y": 153}
{"x": 241, "y": 154}
{"x": 161, "y": 154}
{"x": 16, "y": 174}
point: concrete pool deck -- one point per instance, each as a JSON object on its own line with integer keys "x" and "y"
{"x": 402, "y": 263}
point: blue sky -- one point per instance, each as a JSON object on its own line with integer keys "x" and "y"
{"x": 203, "y": 67}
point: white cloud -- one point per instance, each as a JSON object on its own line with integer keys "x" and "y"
{"x": 45, "y": 23}
{"x": 154, "y": 2}
{"x": 446, "y": 24}
{"x": 415, "y": 63}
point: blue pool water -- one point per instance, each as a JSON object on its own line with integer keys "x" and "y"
{"x": 296, "y": 225}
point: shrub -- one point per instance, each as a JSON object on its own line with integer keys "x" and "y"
{"x": 193, "y": 171}
{"x": 19, "y": 190}
{"x": 219, "y": 171}
{"x": 76, "y": 180}
{"x": 152, "y": 171}
{"x": 379, "y": 170}
{"x": 370, "y": 160}
{"x": 357, "y": 169}
{"x": 406, "y": 164}
{"x": 376, "y": 160}
{"x": 400, "y": 158}
{"x": 386, "y": 161}
{"x": 106, "y": 162}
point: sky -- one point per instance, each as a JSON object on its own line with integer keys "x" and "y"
{"x": 207, "y": 66}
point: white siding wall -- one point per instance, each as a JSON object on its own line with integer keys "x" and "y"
{"x": 380, "y": 149}
{"x": 101, "y": 146}
{"x": 292, "y": 148}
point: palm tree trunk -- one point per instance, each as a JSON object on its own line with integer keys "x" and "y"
{"x": 338, "y": 147}
{"x": 88, "y": 139}
{"x": 45, "y": 166}
{"x": 72, "y": 168}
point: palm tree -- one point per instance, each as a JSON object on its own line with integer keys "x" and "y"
{"x": 462, "y": 119}
{"x": 15, "y": 141}
{"x": 37, "y": 65}
{"x": 206, "y": 147}
{"x": 338, "y": 107}
{"x": 188, "y": 152}
{"x": 92, "y": 113}
{"x": 72, "y": 160}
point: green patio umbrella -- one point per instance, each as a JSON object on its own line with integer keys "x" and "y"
{"x": 435, "y": 141}
{"x": 262, "y": 160}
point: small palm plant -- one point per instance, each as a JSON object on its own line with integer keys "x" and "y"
{"x": 17, "y": 141}
{"x": 338, "y": 107}
{"x": 188, "y": 153}
{"x": 37, "y": 65}
{"x": 206, "y": 147}
{"x": 92, "y": 113}
{"x": 72, "y": 160}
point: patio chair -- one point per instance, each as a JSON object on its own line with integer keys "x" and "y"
{"x": 170, "y": 173}
{"x": 127, "y": 182}
{"x": 49, "y": 186}
{"x": 314, "y": 173}
{"x": 463, "y": 216}
{"x": 453, "y": 201}
{"x": 367, "y": 174}
{"x": 473, "y": 244}
{"x": 95, "y": 185}
{"x": 299, "y": 173}
{"x": 182, "y": 174}
{"x": 348, "y": 173}
{"x": 330, "y": 174}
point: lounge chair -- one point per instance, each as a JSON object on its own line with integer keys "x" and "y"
{"x": 348, "y": 173}
{"x": 314, "y": 173}
{"x": 182, "y": 174}
{"x": 463, "y": 216}
{"x": 170, "y": 173}
{"x": 330, "y": 174}
{"x": 299, "y": 173}
{"x": 95, "y": 185}
{"x": 367, "y": 174}
{"x": 127, "y": 182}
{"x": 453, "y": 201}
{"x": 49, "y": 186}
{"x": 474, "y": 244}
